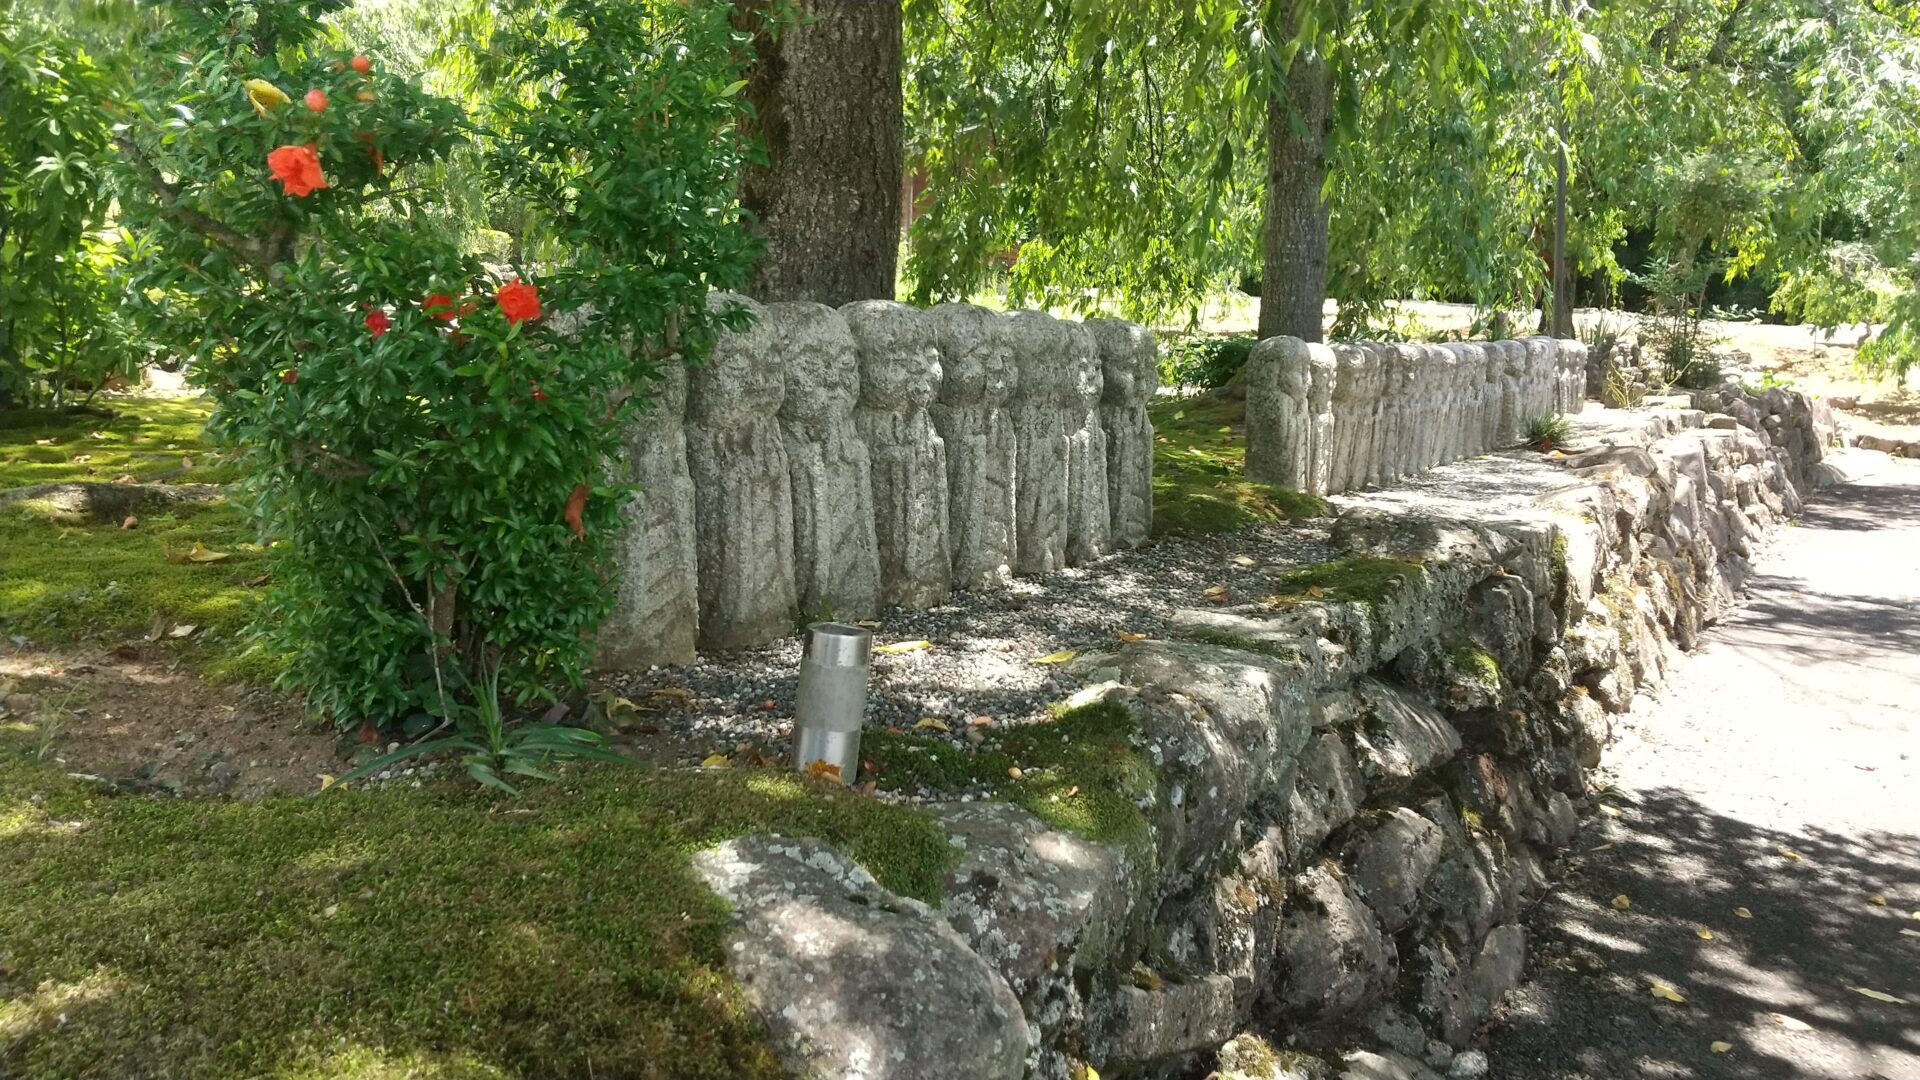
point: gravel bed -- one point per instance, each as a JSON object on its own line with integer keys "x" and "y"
{"x": 982, "y": 650}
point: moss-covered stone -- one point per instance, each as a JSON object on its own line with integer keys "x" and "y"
{"x": 1354, "y": 579}
{"x": 1476, "y": 664}
{"x": 429, "y": 933}
{"x": 1079, "y": 772}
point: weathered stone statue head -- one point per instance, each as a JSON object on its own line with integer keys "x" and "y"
{"x": 1039, "y": 344}
{"x": 1127, "y": 361}
{"x": 741, "y": 381}
{"x": 975, "y": 358}
{"x": 1084, "y": 378}
{"x": 817, "y": 356}
{"x": 899, "y": 361}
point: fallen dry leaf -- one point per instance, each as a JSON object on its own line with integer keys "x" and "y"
{"x": 1789, "y": 1022}
{"x": 1060, "y": 657}
{"x": 1667, "y": 993}
{"x": 1910, "y": 933}
{"x": 183, "y": 630}
{"x": 130, "y": 522}
{"x": 823, "y": 767}
{"x": 1791, "y": 854}
{"x": 904, "y": 647}
{"x": 1015, "y": 772}
{"x": 615, "y": 704}
{"x": 673, "y": 692}
{"x": 931, "y": 723}
{"x": 1621, "y": 903}
{"x": 326, "y": 781}
{"x": 1880, "y": 995}
{"x": 1128, "y": 635}
{"x": 576, "y": 506}
{"x": 716, "y": 761}
{"x": 1610, "y": 811}
{"x": 1600, "y": 847}
{"x": 186, "y": 462}
{"x": 1743, "y": 913}
{"x": 1719, "y": 1047}
{"x": 980, "y": 721}
{"x": 1216, "y": 592}
{"x": 1071, "y": 792}
{"x": 869, "y": 787}
{"x": 867, "y": 624}
{"x": 1703, "y": 933}
{"x": 1877, "y": 899}
{"x": 201, "y": 553}
{"x": 1242, "y": 560}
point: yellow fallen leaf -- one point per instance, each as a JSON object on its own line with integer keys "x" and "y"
{"x": 931, "y": 723}
{"x": 904, "y": 647}
{"x": 203, "y": 554}
{"x": 1877, "y": 899}
{"x": 1060, "y": 657}
{"x": 823, "y": 768}
{"x": 1610, "y": 811}
{"x": 1789, "y": 1022}
{"x": 867, "y": 624}
{"x": 1703, "y": 933}
{"x": 264, "y": 95}
{"x": 1910, "y": 933}
{"x": 1916, "y": 915}
{"x": 326, "y": 781}
{"x": 1719, "y": 1047}
{"x": 1791, "y": 854}
{"x": 1743, "y": 913}
{"x": 1667, "y": 993}
{"x": 1601, "y": 847}
{"x": 674, "y": 692}
{"x": 716, "y": 761}
{"x": 1621, "y": 903}
{"x": 1215, "y": 592}
{"x": 1879, "y": 995}
{"x": 1015, "y": 772}
{"x": 1128, "y": 635}
{"x": 1242, "y": 560}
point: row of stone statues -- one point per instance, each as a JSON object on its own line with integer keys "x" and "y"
{"x": 1326, "y": 419}
{"x": 829, "y": 463}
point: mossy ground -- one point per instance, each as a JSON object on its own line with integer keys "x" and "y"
{"x": 433, "y": 933}
{"x": 1079, "y": 772}
{"x": 64, "y": 583}
{"x": 1199, "y": 483}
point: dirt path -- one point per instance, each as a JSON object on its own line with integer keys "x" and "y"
{"x": 1779, "y": 773}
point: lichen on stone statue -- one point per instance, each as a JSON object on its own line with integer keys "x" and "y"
{"x": 743, "y": 489}
{"x": 978, "y": 381}
{"x": 656, "y": 612}
{"x": 836, "y": 565}
{"x": 1039, "y": 345}
{"x": 1130, "y": 375}
{"x": 1089, "y": 518}
{"x": 899, "y": 379}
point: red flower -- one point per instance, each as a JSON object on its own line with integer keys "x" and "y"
{"x": 518, "y": 301}
{"x": 440, "y": 306}
{"x": 289, "y": 376}
{"x": 317, "y": 100}
{"x": 298, "y": 168}
{"x": 377, "y": 321}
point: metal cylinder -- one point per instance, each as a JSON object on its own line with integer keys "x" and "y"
{"x": 831, "y": 702}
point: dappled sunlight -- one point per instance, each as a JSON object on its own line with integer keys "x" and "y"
{"x": 51, "y": 1004}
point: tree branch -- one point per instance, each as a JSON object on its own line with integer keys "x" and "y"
{"x": 262, "y": 255}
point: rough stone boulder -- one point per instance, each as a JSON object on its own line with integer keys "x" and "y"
{"x": 854, "y": 982}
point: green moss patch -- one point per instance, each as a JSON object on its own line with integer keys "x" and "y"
{"x": 432, "y": 933}
{"x": 145, "y": 438}
{"x": 1079, "y": 772}
{"x": 1356, "y": 578}
{"x": 1199, "y": 481}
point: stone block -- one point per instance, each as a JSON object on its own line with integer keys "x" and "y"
{"x": 836, "y": 563}
{"x": 899, "y": 378}
{"x": 1394, "y": 863}
{"x": 1334, "y": 956}
{"x": 1139, "y": 1026}
{"x": 1327, "y": 792}
{"x": 743, "y": 489}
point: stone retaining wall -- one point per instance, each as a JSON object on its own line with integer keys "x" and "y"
{"x": 1331, "y": 418}
{"x": 825, "y": 463}
{"x": 1356, "y": 790}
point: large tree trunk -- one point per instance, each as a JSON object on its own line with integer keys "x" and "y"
{"x": 826, "y": 91}
{"x": 1293, "y": 282}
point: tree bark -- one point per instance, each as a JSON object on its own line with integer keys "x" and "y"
{"x": 1293, "y": 280}
{"x": 825, "y": 89}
